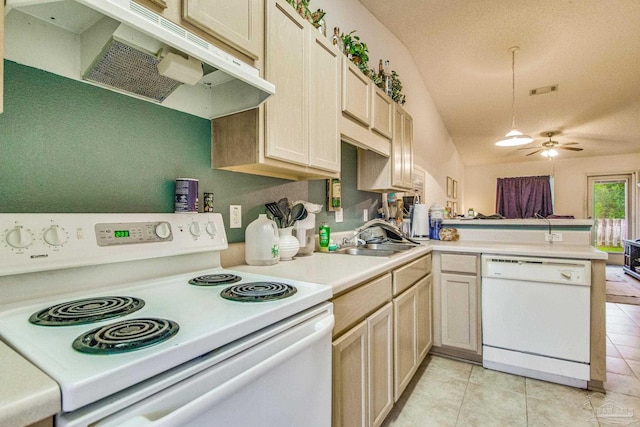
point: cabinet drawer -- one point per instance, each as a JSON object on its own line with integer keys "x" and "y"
{"x": 409, "y": 274}
{"x": 357, "y": 304}
{"x": 458, "y": 262}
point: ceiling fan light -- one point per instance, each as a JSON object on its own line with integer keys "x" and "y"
{"x": 514, "y": 138}
{"x": 549, "y": 153}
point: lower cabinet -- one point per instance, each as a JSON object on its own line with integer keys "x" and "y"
{"x": 405, "y": 340}
{"x": 413, "y": 335}
{"x": 457, "y": 315}
{"x": 382, "y": 333}
{"x": 362, "y": 372}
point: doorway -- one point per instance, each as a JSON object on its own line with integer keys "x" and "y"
{"x": 609, "y": 204}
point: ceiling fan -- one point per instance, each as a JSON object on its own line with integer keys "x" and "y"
{"x": 549, "y": 147}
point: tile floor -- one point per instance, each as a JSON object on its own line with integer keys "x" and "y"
{"x": 451, "y": 393}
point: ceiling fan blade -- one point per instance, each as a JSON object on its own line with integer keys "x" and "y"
{"x": 534, "y": 152}
{"x": 528, "y": 148}
{"x": 570, "y": 143}
{"x": 570, "y": 148}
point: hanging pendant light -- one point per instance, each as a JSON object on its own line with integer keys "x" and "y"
{"x": 514, "y": 137}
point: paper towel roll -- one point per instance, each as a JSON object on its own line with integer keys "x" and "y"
{"x": 420, "y": 224}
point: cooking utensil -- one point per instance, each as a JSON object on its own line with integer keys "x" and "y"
{"x": 283, "y": 204}
{"x": 275, "y": 211}
{"x": 298, "y": 212}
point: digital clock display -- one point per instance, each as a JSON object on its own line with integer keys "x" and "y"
{"x": 121, "y": 233}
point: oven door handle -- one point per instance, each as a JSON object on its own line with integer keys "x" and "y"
{"x": 184, "y": 414}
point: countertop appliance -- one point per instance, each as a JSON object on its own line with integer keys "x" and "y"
{"x": 135, "y": 319}
{"x": 536, "y": 317}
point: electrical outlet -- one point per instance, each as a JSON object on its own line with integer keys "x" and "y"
{"x": 339, "y": 215}
{"x": 365, "y": 215}
{"x": 553, "y": 237}
{"x": 235, "y": 216}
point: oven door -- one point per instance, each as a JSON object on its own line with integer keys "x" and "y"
{"x": 284, "y": 380}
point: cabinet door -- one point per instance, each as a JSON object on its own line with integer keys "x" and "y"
{"x": 404, "y": 340}
{"x": 424, "y": 328}
{"x": 324, "y": 105}
{"x": 382, "y": 113}
{"x": 459, "y": 311}
{"x": 380, "y": 331}
{"x": 237, "y": 22}
{"x": 397, "y": 157}
{"x": 287, "y": 52}
{"x": 407, "y": 151}
{"x": 350, "y": 371}
{"x": 356, "y": 93}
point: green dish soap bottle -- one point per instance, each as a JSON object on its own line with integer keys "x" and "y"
{"x": 324, "y": 237}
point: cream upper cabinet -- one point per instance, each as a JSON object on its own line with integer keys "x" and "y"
{"x": 237, "y": 22}
{"x": 356, "y": 93}
{"x": 324, "y": 105}
{"x": 295, "y": 134}
{"x": 382, "y": 114}
{"x": 366, "y": 117}
{"x": 402, "y": 149}
{"x": 1, "y": 56}
{"x": 287, "y": 67}
{"x": 393, "y": 173}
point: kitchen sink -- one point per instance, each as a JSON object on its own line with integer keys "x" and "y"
{"x": 390, "y": 246}
{"x": 375, "y": 249}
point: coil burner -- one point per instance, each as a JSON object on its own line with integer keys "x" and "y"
{"x": 215, "y": 279}
{"x": 126, "y": 335}
{"x": 258, "y": 292}
{"x": 88, "y": 310}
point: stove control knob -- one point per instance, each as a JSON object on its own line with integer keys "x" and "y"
{"x": 211, "y": 228}
{"x": 195, "y": 228}
{"x": 163, "y": 230}
{"x": 55, "y": 236}
{"x": 19, "y": 237}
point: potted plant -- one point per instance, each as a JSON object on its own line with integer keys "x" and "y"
{"x": 356, "y": 50}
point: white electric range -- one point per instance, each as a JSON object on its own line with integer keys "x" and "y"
{"x": 138, "y": 323}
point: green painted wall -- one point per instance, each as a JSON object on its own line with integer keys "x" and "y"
{"x": 67, "y": 146}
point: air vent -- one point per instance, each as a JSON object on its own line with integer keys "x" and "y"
{"x": 131, "y": 70}
{"x": 542, "y": 90}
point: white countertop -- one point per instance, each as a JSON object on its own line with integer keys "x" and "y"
{"x": 344, "y": 271}
{"x": 550, "y": 250}
{"x": 339, "y": 271}
{"x": 27, "y": 395}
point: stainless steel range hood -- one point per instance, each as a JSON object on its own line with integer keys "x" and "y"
{"x": 127, "y": 48}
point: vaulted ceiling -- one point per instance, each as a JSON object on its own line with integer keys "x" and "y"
{"x": 590, "y": 49}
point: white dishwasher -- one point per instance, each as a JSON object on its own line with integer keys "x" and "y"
{"x": 536, "y": 317}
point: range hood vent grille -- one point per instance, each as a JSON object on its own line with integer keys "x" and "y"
{"x": 131, "y": 70}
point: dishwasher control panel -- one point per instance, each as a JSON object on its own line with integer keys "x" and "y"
{"x": 547, "y": 270}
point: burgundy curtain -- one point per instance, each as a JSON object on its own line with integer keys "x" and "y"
{"x": 524, "y": 197}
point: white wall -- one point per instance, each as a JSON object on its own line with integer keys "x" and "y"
{"x": 433, "y": 149}
{"x": 570, "y": 180}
